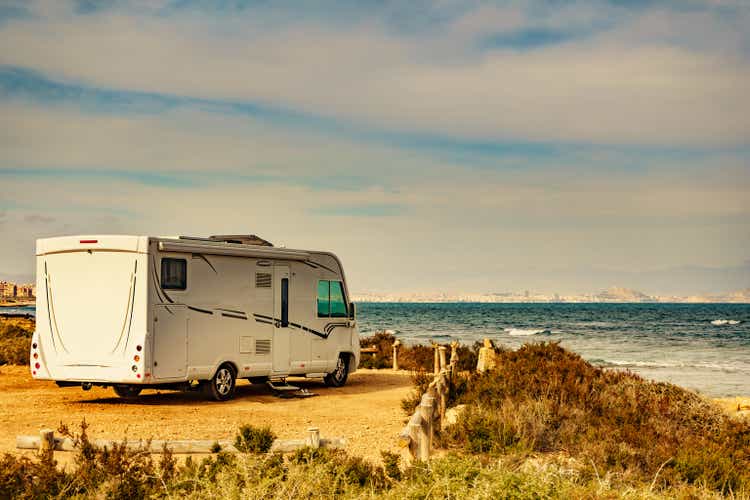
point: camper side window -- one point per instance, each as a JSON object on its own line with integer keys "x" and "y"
{"x": 331, "y": 301}
{"x": 173, "y": 274}
{"x": 324, "y": 299}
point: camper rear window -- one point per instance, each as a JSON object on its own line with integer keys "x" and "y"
{"x": 331, "y": 301}
{"x": 173, "y": 274}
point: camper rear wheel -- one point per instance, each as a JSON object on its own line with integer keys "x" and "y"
{"x": 221, "y": 386}
{"x": 337, "y": 377}
{"x": 127, "y": 391}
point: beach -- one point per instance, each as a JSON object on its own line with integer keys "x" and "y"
{"x": 366, "y": 412}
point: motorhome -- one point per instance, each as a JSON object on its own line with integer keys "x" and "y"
{"x": 137, "y": 312}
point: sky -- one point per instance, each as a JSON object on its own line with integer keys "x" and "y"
{"x": 433, "y": 145}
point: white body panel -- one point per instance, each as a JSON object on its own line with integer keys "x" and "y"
{"x": 104, "y": 317}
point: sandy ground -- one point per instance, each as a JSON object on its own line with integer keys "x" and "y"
{"x": 736, "y": 407}
{"x": 366, "y": 411}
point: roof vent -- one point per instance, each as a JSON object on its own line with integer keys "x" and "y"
{"x": 243, "y": 239}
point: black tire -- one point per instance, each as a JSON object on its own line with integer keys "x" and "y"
{"x": 337, "y": 378}
{"x": 127, "y": 391}
{"x": 221, "y": 386}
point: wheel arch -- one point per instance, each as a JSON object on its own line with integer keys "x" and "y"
{"x": 231, "y": 363}
{"x": 351, "y": 360}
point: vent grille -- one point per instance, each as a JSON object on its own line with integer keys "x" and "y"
{"x": 262, "y": 346}
{"x": 262, "y": 280}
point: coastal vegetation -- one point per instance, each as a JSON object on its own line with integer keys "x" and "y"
{"x": 415, "y": 357}
{"x": 544, "y": 401}
{"x": 15, "y": 340}
{"x": 543, "y": 424}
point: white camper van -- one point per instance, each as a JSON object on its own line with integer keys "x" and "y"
{"x": 135, "y": 312}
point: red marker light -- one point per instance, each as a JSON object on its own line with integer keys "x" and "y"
{"x": 138, "y": 375}
{"x": 89, "y": 241}
{"x": 34, "y": 372}
{"x": 37, "y": 365}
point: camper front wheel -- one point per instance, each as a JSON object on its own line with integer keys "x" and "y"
{"x": 221, "y": 386}
{"x": 337, "y": 377}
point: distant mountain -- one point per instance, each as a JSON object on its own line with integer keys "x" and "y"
{"x": 621, "y": 294}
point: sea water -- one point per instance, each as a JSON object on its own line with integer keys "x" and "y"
{"x": 705, "y": 347}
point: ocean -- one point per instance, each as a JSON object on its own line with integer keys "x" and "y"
{"x": 705, "y": 347}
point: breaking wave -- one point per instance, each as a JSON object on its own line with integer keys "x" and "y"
{"x": 520, "y": 332}
{"x": 609, "y": 363}
{"x": 722, "y": 322}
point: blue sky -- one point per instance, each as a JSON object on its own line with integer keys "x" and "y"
{"x": 435, "y": 145}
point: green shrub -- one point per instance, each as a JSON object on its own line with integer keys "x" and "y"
{"x": 21, "y": 477}
{"x": 15, "y": 344}
{"x": 542, "y": 398}
{"x": 251, "y": 439}
{"x": 411, "y": 357}
{"x": 121, "y": 472}
{"x": 391, "y": 465}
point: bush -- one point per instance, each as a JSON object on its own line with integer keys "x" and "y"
{"x": 383, "y": 358}
{"x": 21, "y": 477}
{"x": 251, "y": 439}
{"x": 15, "y": 344}
{"x": 542, "y": 398}
{"x": 411, "y": 357}
{"x": 121, "y": 472}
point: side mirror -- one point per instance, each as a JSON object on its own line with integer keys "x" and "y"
{"x": 352, "y": 310}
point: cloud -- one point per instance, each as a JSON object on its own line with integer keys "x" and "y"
{"x": 38, "y": 219}
{"x": 365, "y": 210}
{"x": 591, "y": 134}
{"x": 529, "y": 38}
{"x": 610, "y": 88}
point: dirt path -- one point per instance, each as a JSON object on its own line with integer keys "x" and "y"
{"x": 366, "y": 411}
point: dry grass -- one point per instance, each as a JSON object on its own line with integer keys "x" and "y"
{"x": 15, "y": 341}
{"x": 124, "y": 473}
{"x": 543, "y": 398}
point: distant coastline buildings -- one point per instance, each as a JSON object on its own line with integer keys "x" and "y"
{"x": 10, "y": 290}
{"x": 611, "y": 295}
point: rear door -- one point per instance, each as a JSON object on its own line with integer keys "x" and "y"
{"x": 170, "y": 341}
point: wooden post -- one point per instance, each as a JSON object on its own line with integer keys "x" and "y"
{"x": 46, "y": 444}
{"x": 486, "y": 360}
{"x": 313, "y": 436}
{"x": 414, "y": 435}
{"x": 436, "y": 365}
{"x": 395, "y": 354}
{"x": 423, "y": 453}
{"x": 454, "y": 354}
{"x": 442, "y": 398}
{"x": 441, "y": 351}
{"x": 427, "y": 410}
